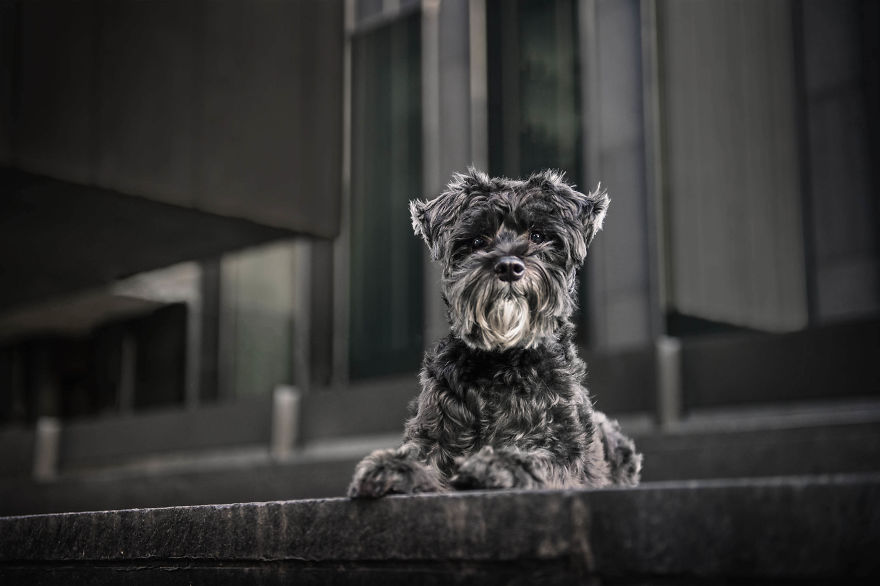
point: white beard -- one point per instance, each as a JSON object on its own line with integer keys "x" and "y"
{"x": 506, "y": 324}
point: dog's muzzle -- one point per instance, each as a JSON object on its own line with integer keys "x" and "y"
{"x": 510, "y": 268}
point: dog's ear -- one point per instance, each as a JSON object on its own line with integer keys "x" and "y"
{"x": 589, "y": 208}
{"x": 585, "y": 211}
{"x": 593, "y": 210}
{"x": 422, "y": 214}
{"x": 429, "y": 218}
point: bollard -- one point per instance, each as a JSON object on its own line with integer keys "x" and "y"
{"x": 46, "y": 448}
{"x": 669, "y": 391}
{"x": 285, "y": 421}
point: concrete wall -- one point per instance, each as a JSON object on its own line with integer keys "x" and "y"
{"x": 228, "y": 106}
{"x": 7, "y": 58}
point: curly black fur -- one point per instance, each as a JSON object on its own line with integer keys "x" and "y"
{"x": 503, "y": 401}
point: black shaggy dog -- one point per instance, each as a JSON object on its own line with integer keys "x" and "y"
{"x": 503, "y": 401}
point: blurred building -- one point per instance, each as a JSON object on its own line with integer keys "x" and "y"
{"x": 209, "y": 287}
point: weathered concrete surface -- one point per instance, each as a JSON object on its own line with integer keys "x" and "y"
{"x": 224, "y": 108}
{"x": 770, "y": 530}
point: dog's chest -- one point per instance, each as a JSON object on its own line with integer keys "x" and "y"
{"x": 529, "y": 399}
{"x": 535, "y": 410}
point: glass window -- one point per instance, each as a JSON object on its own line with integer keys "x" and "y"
{"x": 256, "y": 319}
{"x": 386, "y": 258}
{"x": 534, "y": 87}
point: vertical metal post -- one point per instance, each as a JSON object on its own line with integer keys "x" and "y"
{"x": 803, "y": 151}
{"x": 342, "y": 244}
{"x": 227, "y": 365}
{"x": 434, "y": 312}
{"x": 479, "y": 84}
{"x": 302, "y": 313}
{"x": 127, "y": 373}
{"x": 194, "y": 330}
{"x": 658, "y": 276}
{"x": 596, "y": 314}
{"x": 19, "y": 404}
{"x": 510, "y": 88}
{"x": 209, "y": 292}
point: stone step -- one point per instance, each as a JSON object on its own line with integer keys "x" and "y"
{"x": 716, "y": 444}
{"x": 734, "y": 453}
{"x": 770, "y": 530}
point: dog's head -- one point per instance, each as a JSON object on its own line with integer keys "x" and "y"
{"x": 510, "y": 251}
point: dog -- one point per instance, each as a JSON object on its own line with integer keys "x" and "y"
{"x": 503, "y": 403}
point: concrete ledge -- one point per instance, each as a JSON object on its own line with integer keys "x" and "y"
{"x": 772, "y": 530}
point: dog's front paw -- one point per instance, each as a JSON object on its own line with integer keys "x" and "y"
{"x": 491, "y": 468}
{"x": 392, "y": 472}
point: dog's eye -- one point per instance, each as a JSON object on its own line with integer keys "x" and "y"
{"x": 478, "y": 243}
{"x": 537, "y": 237}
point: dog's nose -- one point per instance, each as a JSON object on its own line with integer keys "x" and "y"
{"x": 509, "y": 268}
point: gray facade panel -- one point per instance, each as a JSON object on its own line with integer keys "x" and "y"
{"x": 8, "y": 17}
{"x": 230, "y": 107}
{"x": 734, "y": 195}
{"x": 56, "y": 94}
{"x": 271, "y": 118}
{"x": 146, "y": 70}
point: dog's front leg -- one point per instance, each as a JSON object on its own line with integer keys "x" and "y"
{"x": 624, "y": 462}
{"x": 396, "y": 471}
{"x": 509, "y": 467}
